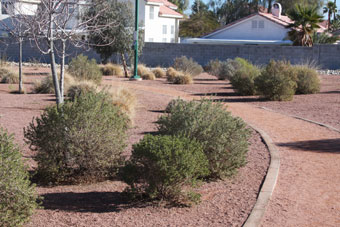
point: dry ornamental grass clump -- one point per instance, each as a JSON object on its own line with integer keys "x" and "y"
{"x": 8, "y": 76}
{"x": 112, "y": 70}
{"x": 148, "y": 76}
{"x": 159, "y": 73}
{"x": 45, "y": 86}
{"x": 178, "y": 77}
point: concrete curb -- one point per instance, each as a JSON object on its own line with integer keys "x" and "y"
{"x": 304, "y": 119}
{"x": 268, "y": 185}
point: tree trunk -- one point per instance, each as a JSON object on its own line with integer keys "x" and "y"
{"x": 334, "y": 10}
{"x": 269, "y": 6}
{"x": 53, "y": 67}
{"x": 21, "y": 89}
{"x": 124, "y": 65}
{"x": 62, "y": 71}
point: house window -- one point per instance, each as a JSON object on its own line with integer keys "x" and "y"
{"x": 151, "y": 13}
{"x": 164, "y": 40}
{"x": 164, "y": 29}
{"x": 254, "y": 24}
{"x": 150, "y": 39}
{"x": 261, "y": 24}
{"x": 172, "y": 29}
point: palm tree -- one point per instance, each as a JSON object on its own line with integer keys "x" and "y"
{"x": 330, "y": 8}
{"x": 306, "y": 20}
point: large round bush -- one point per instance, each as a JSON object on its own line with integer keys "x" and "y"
{"x": 84, "y": 69}
{"x": 277, "y": 82}
{"x": 308, "y": 81}
{"x": 17, "y": 194}
{"x": 244, "y": 76}
{"x": 81, "y": 141}
{"x": 161, "y": 166}
{"x": 224, "y": 138}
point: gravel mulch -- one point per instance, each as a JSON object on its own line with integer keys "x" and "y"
{"x": 224, "y": 203}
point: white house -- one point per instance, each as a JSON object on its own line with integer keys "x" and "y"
{"x": 258, "y": 28}
{"x": 158, "y": 18}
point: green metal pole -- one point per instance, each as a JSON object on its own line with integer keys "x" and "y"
{"x": 135, "y": 74}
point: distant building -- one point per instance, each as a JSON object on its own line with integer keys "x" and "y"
{"x": 257, "y": 28}
{"x": 158, "y": 18}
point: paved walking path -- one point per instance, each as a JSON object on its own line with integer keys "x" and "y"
{"x": 307, "y": 192}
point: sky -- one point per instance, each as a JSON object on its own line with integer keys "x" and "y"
{"x": 188, "y": 11}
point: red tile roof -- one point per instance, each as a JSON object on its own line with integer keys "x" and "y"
{"x": 165, "y": 2}
{"x": 163, "y": 10}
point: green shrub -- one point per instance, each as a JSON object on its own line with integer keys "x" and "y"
{"x": 79, "y": 142}
{"x": 183, "y": 79}
{"x": 172, "y": 104}
{"x": 8, "y": 76}
{"x": 159, "y": 73}
{"x": 308, "y": 81}
{"x": 213, "y": 67}
{"x": 84, "y": 69}
{"x": 277, "y": 82}
{"x": 228, "y": 69}
{"x": 224, "y": 137}
{"x": 45, "y": 86}
{"x": 17, "y": 194}
{"x": 112, "y": 70}
{"x": 81, "y": 88}
{"x": 244, "y": 77}
{"x": 188, "y": 66}
{"x": 163, "y": 167}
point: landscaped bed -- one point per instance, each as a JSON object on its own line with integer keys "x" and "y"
{"x": 224, "y": 203}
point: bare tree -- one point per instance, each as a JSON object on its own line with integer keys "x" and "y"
{"x": 60, "y": 21}
{"x": 15, "y": 30}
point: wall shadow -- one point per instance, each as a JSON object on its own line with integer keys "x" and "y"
{"x": 95, "y": 202}
{"x": 321, "y": 146}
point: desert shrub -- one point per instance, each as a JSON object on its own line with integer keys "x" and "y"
{"x": 213, "y": 67}
{"x": 84, "y": 69}
{"x": 45, "y": 86}
{"x": 80, "y": 88}
{"x": 277, "y": 82}
{"x": 183, "y": 79}
{"x": 159, "y": 73}
{"x": 188, "y": 66}
{"x": 228, "y": 69}
{"x": 171, "y": 73}
{"x": 163, "y": 166}
{"x": 142, "y": 69}
{"x": 308, "y": 81}
{"x": 224, "y": 138}
{"x": 81, "y": 141}
{"x": 244, "y": 76}
{"x": 17, "y": 194}
{"x": 148, "y": 76}
{"x": 8, "y": 77}
{"x": 173, "y": 103}
{"x": 124, "y": 98}
{"x": 112, "y": 70}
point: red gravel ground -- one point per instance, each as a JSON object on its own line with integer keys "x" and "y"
{"x": 224, "y": 203}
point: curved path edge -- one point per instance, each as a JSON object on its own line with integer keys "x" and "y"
{"x": 304, "y": 119}
{"x": 268, "y": 185}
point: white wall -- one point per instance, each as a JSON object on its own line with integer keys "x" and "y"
{"x": 244, "y": 30}
{"x": 154, "y": 27}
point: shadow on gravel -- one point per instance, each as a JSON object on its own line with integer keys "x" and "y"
{"x": 329, "y": 145}
{"x": 95, "y": 202}
{"x": 330, "y": 92}
{"x": 217, "y": 94}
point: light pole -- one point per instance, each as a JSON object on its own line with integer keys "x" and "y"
{"x": 135, "y": 74}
